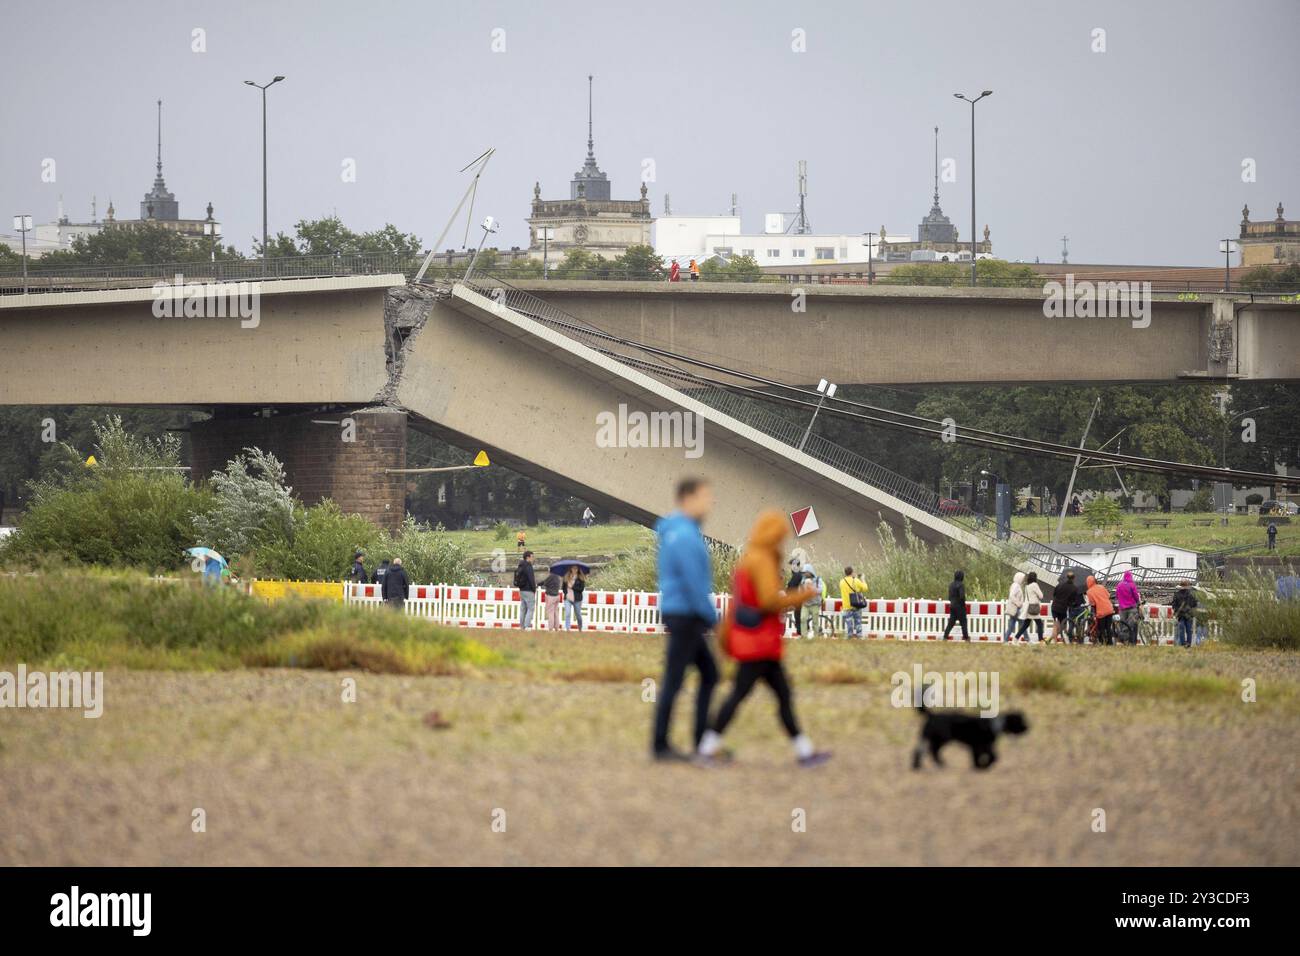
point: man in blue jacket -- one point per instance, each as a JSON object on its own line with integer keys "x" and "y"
{"x": 686, "y": 606}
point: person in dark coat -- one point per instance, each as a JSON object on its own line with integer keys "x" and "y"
{"x": 380, "y": 572}
{"x": 526, "y": 582}
{"x": 1184, "y": 605}
{"x": 396, "y": 587}
{"x": 358, "y": 572}
{"x": 957, "y": 606}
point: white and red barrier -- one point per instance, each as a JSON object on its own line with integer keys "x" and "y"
{"x": 637, "y": 612}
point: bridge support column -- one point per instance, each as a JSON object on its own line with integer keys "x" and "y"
{"x": 341, "y": 455}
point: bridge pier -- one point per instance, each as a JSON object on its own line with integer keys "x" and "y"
{"x": 341, "y": 455}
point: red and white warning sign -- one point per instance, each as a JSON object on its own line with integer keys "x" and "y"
{"x": 805, "y": 521}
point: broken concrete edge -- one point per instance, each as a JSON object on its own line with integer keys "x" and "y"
{"x": 406, "y": 310}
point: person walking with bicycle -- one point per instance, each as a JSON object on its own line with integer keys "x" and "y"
{"x": 1099, "y": 598}
{"x": 1129, "y": 599}
{"x": 1065, "y": 597}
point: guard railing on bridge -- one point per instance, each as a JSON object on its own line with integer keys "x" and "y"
{"x": 43, "y": 276}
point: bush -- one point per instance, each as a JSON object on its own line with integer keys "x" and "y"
{"x": 1250, "y": 614}
{"x": 1254, "y": 498}
{"x": 130, "y": 509}
{"x": 500, "y": 531}
{"x": 324, "y": 541}
{"x": 104, "y": 619}
{"x": 639, "y": 570}
{"x": 912, "y": 568}
{"x": 430, "y": 555}
{"x": 1200, "y": 502}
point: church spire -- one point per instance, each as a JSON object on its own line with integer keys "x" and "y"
{"x": 591, "y": 143}
{"x": 936, "y": 167}
{"x": 589, "y": 182}
{"x": 158, "y": 203}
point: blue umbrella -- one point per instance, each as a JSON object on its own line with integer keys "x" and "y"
{"x": 207, "y": 554}
{"x": 213, "y": 563}
{"x": 562, "y": 567}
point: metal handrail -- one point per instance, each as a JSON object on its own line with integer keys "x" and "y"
{"x": 48, "y": 277}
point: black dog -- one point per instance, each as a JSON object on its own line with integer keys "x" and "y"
{"x": 977, "y": 733}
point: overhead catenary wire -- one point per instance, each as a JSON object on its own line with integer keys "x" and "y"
{"x": 906, "y": 421}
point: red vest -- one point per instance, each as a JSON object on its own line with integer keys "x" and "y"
{"x": 762, "y": 642}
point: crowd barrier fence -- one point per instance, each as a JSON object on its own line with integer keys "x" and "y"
{"x": 637, "y": 612}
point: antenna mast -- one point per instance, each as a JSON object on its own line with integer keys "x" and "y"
{"x": 802, "y": 182}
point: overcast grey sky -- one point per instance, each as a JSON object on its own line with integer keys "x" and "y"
{"x": 1135, "y": 152}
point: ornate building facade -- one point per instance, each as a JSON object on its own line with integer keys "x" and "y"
{"x": 1271, "y": 242}
{"x": 589, "y": 219}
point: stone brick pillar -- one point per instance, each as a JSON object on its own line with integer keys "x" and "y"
{"x": 344, "y": 462}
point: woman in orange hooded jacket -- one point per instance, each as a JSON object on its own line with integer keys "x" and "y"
{"x": 753, "y": 633}
{"x": 1099, "y": 598}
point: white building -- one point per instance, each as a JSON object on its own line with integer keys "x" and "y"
{"x": 702, "y": 237}
{"x": 1163, "y": 561}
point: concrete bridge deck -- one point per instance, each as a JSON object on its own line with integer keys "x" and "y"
{"x": 457, "y": 364}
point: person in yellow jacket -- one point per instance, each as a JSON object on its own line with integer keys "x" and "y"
{"x": 849, "y": 586}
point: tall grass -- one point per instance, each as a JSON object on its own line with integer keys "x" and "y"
{"x": 1250, "y": 614}
{"x": 98, "y": 618}
{"x": 912, "y": 568}
{"x": 638, "y": 570}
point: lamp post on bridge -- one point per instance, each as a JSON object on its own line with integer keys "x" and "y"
{"x": 265, "y": 234}
{"x": 1227, "y": 247}
{"x": 973, "y": 240}
{"x": 23, "y": 225}
{"x": 870, "y": 274}
{"x": 827, "y": 390}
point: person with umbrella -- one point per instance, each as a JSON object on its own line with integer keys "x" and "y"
{"x": 573, "y": 583}
{"x": 208, "y": 563}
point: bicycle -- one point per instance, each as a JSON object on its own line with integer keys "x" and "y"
{"x": 1079, "y": 626}
{"x": 1139, "y": 632}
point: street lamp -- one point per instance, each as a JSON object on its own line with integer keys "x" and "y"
{"x": 870, "y": 236}
{"x": 259, "y": 86}
{"x": 213, "y": 231}
{"x": 827, "y": 390}
{"x": 1227, "y": 247}
{"x": 972, "y": 102}
{"x": 23, "y": 225}
{"x": 488, "y": 225}
{"x": 546, "y": 233}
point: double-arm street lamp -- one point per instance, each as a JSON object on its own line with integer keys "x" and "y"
{"x": 973, "y": 246}
{"x": 264, "y": 88}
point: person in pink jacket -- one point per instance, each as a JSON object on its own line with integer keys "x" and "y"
{"x": 1129, "y": 599}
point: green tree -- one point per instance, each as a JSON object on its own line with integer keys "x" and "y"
{"x": 989, "y": 272}
{"x": 1270, "y": 278}
{"x": 738, "y": 268}
{"x": 252, "y": 505}
{"x": 638, "y": 262}
{"x": 1101, "y": 512}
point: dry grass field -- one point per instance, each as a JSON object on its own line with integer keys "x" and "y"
{"x": 553, "y": 742}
